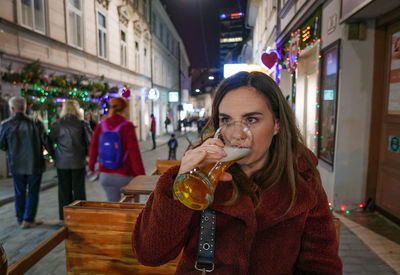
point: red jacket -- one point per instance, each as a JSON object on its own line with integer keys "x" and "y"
{"x": 247, "y": 240}
{"x": 153, "y": 125}
{"x": 133, "y": 165}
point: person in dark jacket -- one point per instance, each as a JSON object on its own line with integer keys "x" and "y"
{"x": 71, "y": 138}
{"x": 24, "y": 139}
{"x": 271, "y": 211}
{"x": 172, "y": 146}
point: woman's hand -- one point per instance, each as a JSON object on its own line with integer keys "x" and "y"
{"x": 210, "y": 151}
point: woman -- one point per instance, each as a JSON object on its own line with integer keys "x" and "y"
{"x": 112, "y": 179}
{"x": 272, "y": 214}
{"x": 71, "y": 136}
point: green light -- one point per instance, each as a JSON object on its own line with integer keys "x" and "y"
{"x": 48, "y": 130}
{"x": 46, "y": 121}
{"x": 347, "y": 212}
{"x": 331, "y": 208}
{"x": 54, "y": 90}
{"x": 290, "y": 41}
{"x": 74, "y": 89}
{"x": 50, "y": 157}
{"x": 315, "y": 137}
{"x": 318, "y": 106}
{"x": 70, "y": 93}
{"x": 322, "y": 137}
{"x": 317, "y": 92}
{"x": 38, "y": 89}
{"x": 46, "y": 93}
{"x": 316, "y": 121}
{"x": 55, "y": 145}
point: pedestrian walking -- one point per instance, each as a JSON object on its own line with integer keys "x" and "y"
{"x": 153, "y": 130}
{"x": 71, "y": 136}
{"x": 270, "y": 213}
{"x": 114, "y": 142}
{"x": 24, "y": 140}
{"x": 172, "y": 145}
{"x": 166, "y": 123}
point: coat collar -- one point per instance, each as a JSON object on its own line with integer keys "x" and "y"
{"x": 274, "y": 203}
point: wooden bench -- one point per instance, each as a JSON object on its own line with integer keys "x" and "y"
{"x": 163, "y": 165}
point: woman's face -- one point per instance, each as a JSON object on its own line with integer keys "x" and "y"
{"x": 247, "y": 104}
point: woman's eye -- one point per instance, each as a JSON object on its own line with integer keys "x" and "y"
{"x": 251, "y": 120}
{"x": 224, "y": 120}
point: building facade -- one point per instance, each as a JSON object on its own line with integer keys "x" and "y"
{"x": 100, "y": 40}
{"x": 339, "y": 70}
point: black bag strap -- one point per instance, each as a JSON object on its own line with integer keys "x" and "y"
{"x": 206, "y": 248}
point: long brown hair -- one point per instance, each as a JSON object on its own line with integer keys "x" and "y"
{"x": 285, "y": 148}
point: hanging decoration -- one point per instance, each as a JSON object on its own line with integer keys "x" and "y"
{"x": 44, "y": 93}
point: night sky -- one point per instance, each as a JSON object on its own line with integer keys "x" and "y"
{"x": 197, "y": 24}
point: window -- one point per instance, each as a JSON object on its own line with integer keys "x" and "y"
{"x": 102, "y": 35}
{"x": 33, "y": 14}
{"x": 137, "y": 57}
{"x": 74, "y": 22}
{"x": 123, "y": 49}
{"x": 145, "y": 12}
{"x": 327, "y": 103}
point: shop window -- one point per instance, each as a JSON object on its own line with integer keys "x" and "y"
{"x": 328, "y": 103}
{"x": 102, "y": 35}
{"x": 74, "y": 22}
{"x": 33, "y": 14}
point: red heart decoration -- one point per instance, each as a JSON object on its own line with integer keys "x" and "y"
{"x": 269, "y": 59}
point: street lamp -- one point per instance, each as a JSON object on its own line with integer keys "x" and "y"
{"x": 211, "y": 77}
{"x": 197, "y": 90}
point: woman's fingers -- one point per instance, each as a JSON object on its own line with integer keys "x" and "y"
{"x": 211, "y": 149}
{"x": 225, "y": 177}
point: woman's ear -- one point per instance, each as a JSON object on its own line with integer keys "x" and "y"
{"x": 277, "y": 126}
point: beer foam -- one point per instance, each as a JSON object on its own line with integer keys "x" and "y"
{"x": 234, "y": 153}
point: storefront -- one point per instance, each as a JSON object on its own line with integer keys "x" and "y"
{"x": 299, "y": 77}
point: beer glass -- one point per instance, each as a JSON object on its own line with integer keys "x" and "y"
{"x": 195, "y": 188}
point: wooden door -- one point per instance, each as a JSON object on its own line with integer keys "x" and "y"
{"x": 388, "y": 180}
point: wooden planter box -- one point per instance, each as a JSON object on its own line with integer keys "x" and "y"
{"x": 99, "y": 239}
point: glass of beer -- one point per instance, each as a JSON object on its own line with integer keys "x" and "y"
{"x": 195, "y": 188}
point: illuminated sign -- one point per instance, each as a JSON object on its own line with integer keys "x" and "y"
{"x": 231, "y": 40}
{"x": 153, "y": 94}
{"x": 173, "y": 96}
{"x": 231, "y": 69}
{"x": 231, "y": 15}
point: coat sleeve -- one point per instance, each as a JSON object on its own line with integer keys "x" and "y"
{"x": 3, "y": 138}
{"x": 45, "y": 138}
{"x": 132, "y": 146}
{"x": 319, "y": 246}
{"x": 94, "y": 147}
{"x": 162, "y": 228}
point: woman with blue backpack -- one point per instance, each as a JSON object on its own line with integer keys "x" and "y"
{"x": 115, "y": 146}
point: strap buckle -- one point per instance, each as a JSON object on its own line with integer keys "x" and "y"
{"x": 204, "y": 270}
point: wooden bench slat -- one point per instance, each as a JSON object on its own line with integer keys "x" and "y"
{"x": 38, "y": 253}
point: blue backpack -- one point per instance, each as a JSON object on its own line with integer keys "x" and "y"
{"x": 110, "y": 146}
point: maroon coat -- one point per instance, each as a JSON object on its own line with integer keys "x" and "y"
{"x": 248, "y": 240}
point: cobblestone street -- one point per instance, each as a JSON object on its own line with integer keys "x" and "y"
{"x": 358, "y": 254}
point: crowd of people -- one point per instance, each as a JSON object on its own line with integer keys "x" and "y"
{"x": 75, "y": 144}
